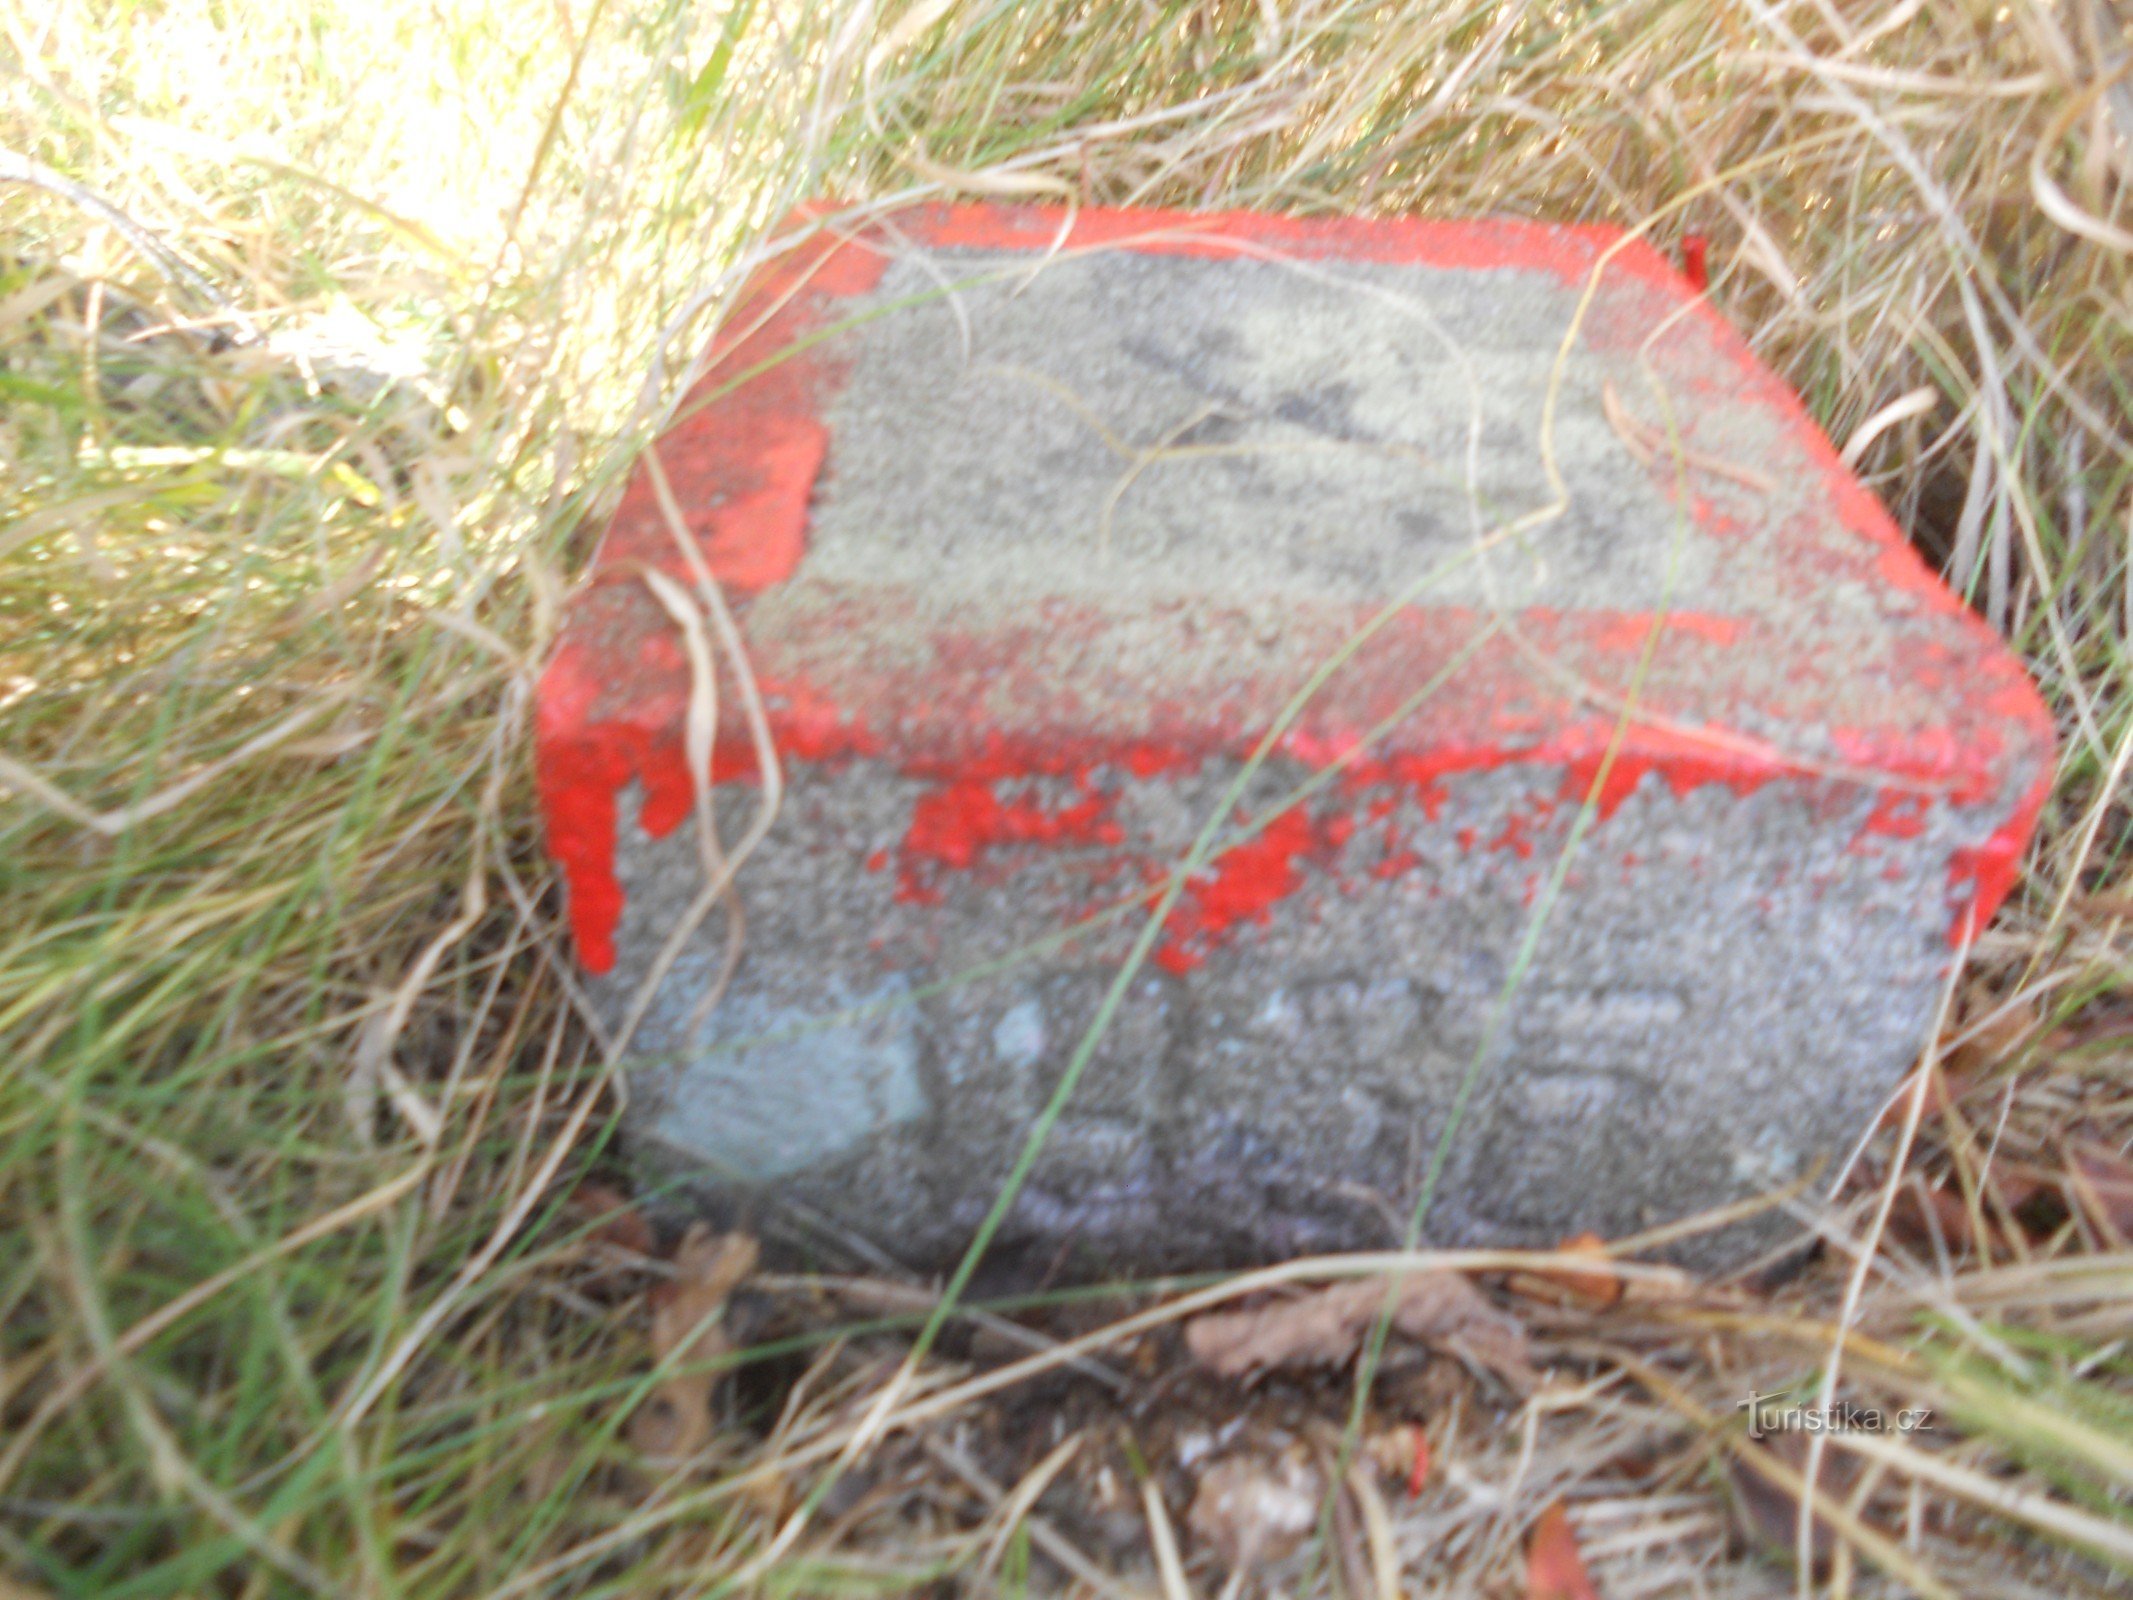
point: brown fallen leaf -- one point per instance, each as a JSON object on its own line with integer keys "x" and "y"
{"x": 1600, "y": 1285}
{"x": 1925, "y": 1212}
{"x": 1990, "y": 1035}
{"x": 2100, "y": 1181}
{"x": 1769, "y": 1513}
{"x": 1596, "y": 1287}
{"x": 1555, "y": 1568}
{"x": 1978, "y": 1049}
{"x": 1325, "y": 1328}
{"x": 1254, "y": 1508}
{"x": 675, "y": 1422}
{"x": 607, "y": 1217}
{"x": 2109, "y": 904}
{"x": 1990, "y": 1045}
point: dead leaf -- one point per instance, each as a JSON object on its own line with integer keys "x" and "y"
{"x": 1555, "y": 1569}
{"x": 1769, "y": 1513}
{"x": 1666, "y": 1286}
{"x": 1326, "y": 1327}
{"x": 1596, "y": 1287}
{"x": 1991, "y": 1041}
{"x": 2106, "y": 907}
{"x": 605, "y": 1215}
{"x": 675, "y": 1422}
{"x": 2100, "y": 1181}
{"x": 1601, "y": 1285}
{"x": 1924, "y": 1212}
{"x": 1254, "y": 1509}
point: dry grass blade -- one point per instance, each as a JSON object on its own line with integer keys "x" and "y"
{"x": 2040, "y": 1511}
{"x": 1014, "y": 1512}
{"x": 113, "y": 823}
{"x": 1377, "y": 1533}
{"x": 1169, "y": 1566}
{"x": 138, "y": 1336}
{"x": 1650, "y": 445}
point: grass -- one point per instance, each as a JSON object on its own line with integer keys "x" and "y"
{"x": 292, "y": 1297}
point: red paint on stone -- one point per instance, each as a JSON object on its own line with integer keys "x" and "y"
{"x": 959, "y": 822}
{"x": 1629, "y": 632}
{"x": 808, "y": 724}
{"x": 1570, "y": 252}
{"x": 1244, "y": 884}
{"x": 584, "y": 763}
{"x": 1684, "y": 765}
{"x": 1518, "y": 829}
{"x": 1981, "y": 878}
{"x": 1896, "y": 816}
{"x": 744, "y": 455}
{"x": 1397, "y": 861}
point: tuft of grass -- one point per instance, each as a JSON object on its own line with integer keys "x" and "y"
{"x": 326, "y": 336}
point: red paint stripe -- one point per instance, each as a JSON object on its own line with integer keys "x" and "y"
{"x": 1568, "y": 252}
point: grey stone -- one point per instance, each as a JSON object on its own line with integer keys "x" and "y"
{"x": 1080, "y": 527}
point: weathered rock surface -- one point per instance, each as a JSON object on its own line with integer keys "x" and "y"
{"x": 1035, "y": 535}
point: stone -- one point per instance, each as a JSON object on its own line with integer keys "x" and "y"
{"x": 1618, "y": 753}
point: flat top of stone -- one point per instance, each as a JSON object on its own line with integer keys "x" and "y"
{"x": 1006, "y": 486}
{"x": 1126, "y": 430}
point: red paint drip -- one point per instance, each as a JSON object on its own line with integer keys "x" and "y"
{"x": 1688, "y": 768}
{"x": 581, "y": 768}
{"x": 578, "y": 795}
{"x": 1989, "y": 871}
{"x": 1245, "y": 885}
{"x": 955, "y": 825}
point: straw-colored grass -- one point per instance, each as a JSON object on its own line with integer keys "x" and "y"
{"x": 327, "y": 332}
